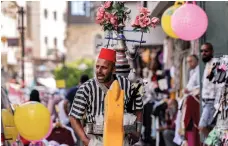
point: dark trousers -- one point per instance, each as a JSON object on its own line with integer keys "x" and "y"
{"x": 147, "y": 121}
{"x": 168, "y": 136}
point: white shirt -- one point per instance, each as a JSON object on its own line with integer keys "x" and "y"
{"x": 209, "y": 89}
{"x": 194, "y": 81}
{"x": 62, "y": 115}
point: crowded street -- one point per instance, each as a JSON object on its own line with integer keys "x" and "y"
{"x": 114, "y": 73}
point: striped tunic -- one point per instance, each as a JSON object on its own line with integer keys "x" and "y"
{"x": 89, "y": 99}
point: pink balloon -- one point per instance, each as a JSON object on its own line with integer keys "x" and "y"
{"x": 46, "y": 136}
{"x": 189, "y": 22}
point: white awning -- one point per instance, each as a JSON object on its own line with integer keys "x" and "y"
{"x": 47, "y": 82}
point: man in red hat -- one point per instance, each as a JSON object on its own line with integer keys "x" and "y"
{"x": 89, "y": 99}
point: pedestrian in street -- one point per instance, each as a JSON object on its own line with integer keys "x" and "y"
{"x": 168, "y": 130}
{"x": 187, "y": 116}
{"x": 209, "y": 91}
{"x": 71, "y": 93}
{"x": 89, "y": 99}
{"x": 69, "y": 101}
{"x": 35, "y": 96}
{"x": 193, "y": 82}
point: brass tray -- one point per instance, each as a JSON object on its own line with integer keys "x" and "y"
{"x": 98, "y": 129}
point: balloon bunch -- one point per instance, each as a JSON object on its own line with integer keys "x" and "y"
{"x": 186, "y": 21}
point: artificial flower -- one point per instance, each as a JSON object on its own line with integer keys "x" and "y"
{"x": 107, "y": 4}
{"x": 143, "y": 21}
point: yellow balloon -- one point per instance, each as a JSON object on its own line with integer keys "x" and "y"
{"x": 32, "y": 120}
{"x": 10, "y": 130}
{"x": 166, "y": 19}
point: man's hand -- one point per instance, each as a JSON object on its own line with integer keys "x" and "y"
{"x": 186, "y": 91}
{"x": 196, "y": 92}
{"x": 205, "y": 131}
{"x": 134, "y": 137}
{"x": 78, "y": 128}
{"x": 181, "y": 131}
{"x": 86, "y": 141}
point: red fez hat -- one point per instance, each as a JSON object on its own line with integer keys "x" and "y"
{"x": 107, "y": 54}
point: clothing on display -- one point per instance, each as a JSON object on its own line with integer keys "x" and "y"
{"x": 168, "y": 53}
{"x": 178, "y": 55}
{"x": 217, "y": 138}
{"x": 178, "y": 139}
{"x": 190, "y": 120}
{"x": 63, "y": 135}
{"x": 61, "y": 113}
{"x": 219, "y": 76}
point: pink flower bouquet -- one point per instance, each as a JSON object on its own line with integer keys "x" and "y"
{"x": 111, "y": 14}
{"x": 143, "y": 21}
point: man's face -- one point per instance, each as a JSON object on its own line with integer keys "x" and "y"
{"x": 104, "y": 70}
{"x": 206, "y": 53}
{"x": 192, "y": 63}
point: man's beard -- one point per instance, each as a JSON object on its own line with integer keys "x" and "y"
{"x": 207, "y": 59}
{"x": 107, "y": 78}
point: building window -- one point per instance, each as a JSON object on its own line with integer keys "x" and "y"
{"x": 45, "y": 13}
{"x": 46, "y": 40}
{"x": 80, "y": 8}
{"x": 55, "y": 42}
{"x": 55, "y": 15}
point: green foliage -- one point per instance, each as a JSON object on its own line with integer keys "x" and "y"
{"x": 72, "y": 72}
{"x": 145, "y": 30}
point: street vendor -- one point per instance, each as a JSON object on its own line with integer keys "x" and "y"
{"x": 210, "y": 91}
{"x": 89, "y": 99}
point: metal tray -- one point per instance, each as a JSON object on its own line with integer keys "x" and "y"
{"x": 98, "y": 129}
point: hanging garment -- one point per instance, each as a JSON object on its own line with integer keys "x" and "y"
{"x": 190, "y": 120}
{"x": 62, "y": 135}
{"x": 178, "y": 139}
{"x": 168, "y": 53}
{"x": 53, "y": 143}
{"x": 180, "y": 50}
{"x": 61, "y": 113}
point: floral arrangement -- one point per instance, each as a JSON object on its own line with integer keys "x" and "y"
{"x": 111, "y": 14}
{"x": 143, "y": 21}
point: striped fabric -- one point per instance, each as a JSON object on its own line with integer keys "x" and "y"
{"x": 122, "y": 66}
{"x": 89, "y": 99}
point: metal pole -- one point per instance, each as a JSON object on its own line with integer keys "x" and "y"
{"x": 21, "y": 28}
{"x": 201, "y": 41}
{"x": 64, "y": 67}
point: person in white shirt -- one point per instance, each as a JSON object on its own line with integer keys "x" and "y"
{"x": 209, "y": 91}
{"x": 193, "y": 82}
